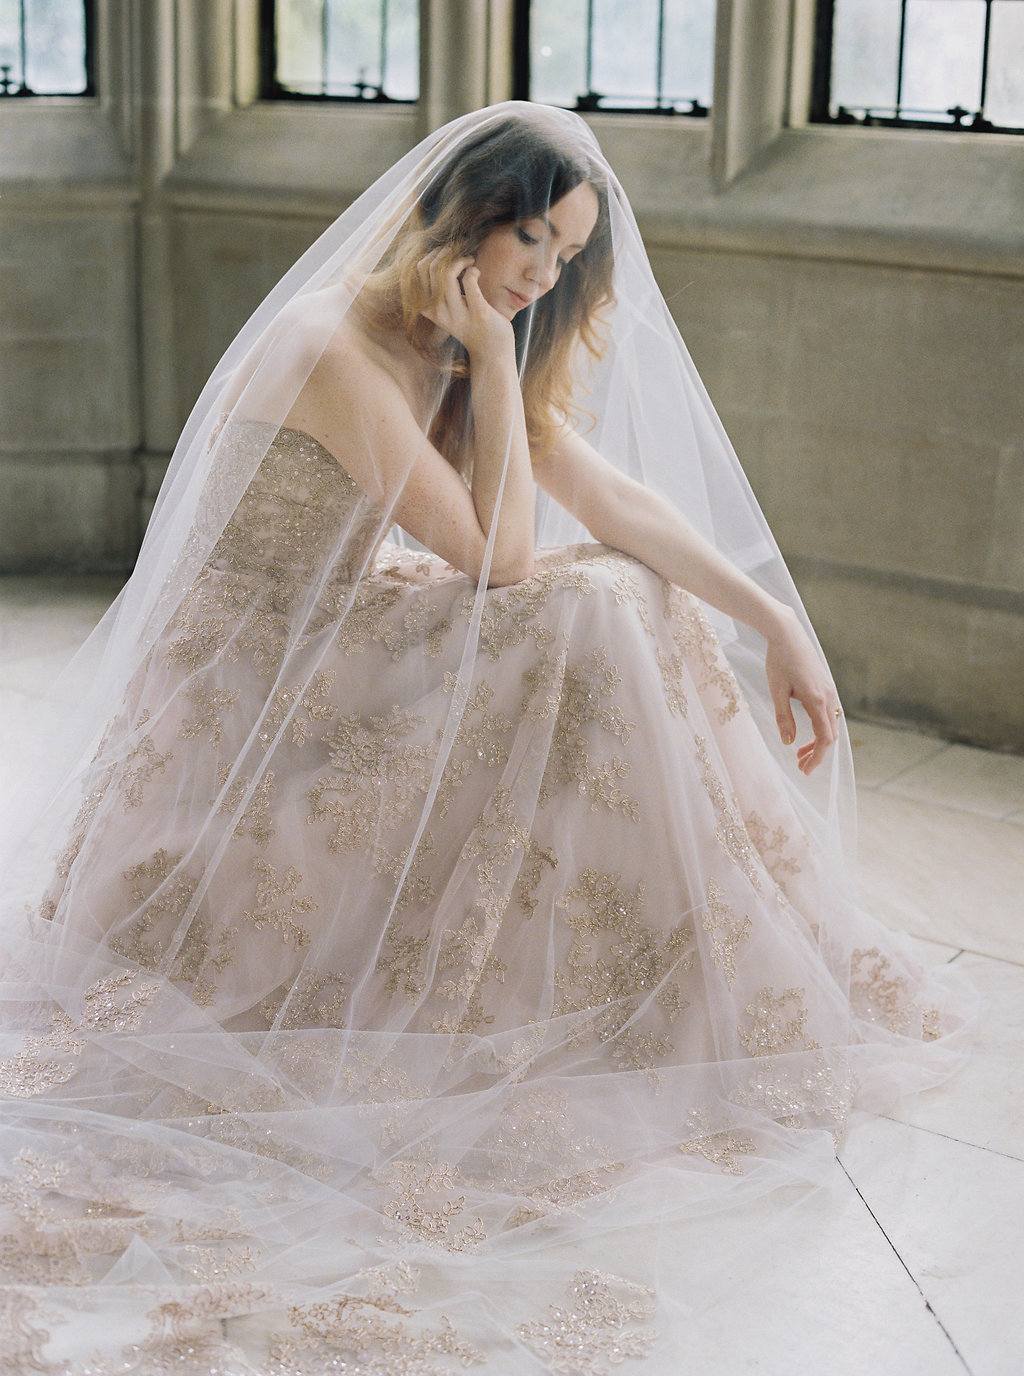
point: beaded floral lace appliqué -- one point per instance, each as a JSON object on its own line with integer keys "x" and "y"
{"x": 602, "y": 1325}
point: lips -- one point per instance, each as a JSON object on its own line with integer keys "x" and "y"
{"x": 519, "y": 299}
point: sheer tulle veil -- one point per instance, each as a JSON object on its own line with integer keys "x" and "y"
{"x": 201, "y": 1162}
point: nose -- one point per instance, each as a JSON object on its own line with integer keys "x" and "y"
{"x": 545, "y": 270}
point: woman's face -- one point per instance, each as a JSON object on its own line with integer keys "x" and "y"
{"x": 521, "y": 261}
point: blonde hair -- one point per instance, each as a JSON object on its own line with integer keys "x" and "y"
{"x": 512, "y": 171}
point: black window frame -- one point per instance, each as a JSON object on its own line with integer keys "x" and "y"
{"x": 24, "y": 92}
{"x": 591, "y": 101}
{"x": 271, "y": 89}
{"x": 821, "y": 111}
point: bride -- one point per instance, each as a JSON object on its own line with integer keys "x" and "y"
{"x": 438, "y": 900}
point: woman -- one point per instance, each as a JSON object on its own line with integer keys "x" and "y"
{"x": 436, "y": 912}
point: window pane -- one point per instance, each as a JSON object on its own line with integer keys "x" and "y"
{"x": 865, "y": 54}
{"x": 942, "y": 54}
{"x": 689, "y": 49}
{"x": 341, "y": 47}
{"x": 402, "y": 50}
{"x": 624, "y": 52}
{"x": 1004, "y": 103}
{"x": 54, "y": 45}
{"x": 558, "y": 52}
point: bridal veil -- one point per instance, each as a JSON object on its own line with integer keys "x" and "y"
{"x": 387, "y": 954}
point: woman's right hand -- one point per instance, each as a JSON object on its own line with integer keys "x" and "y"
{"x": 458, "y": 307}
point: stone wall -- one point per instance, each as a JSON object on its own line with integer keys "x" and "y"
{"x": 854, "y": 300}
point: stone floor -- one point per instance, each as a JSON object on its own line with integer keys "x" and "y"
{"x": 914, "y": 1264}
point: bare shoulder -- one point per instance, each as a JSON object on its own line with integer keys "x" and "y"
{"x": 353, "y": 362}
{"x": 354, "y": 403}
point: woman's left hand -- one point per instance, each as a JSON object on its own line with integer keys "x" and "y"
{"x": 796, "y": 670}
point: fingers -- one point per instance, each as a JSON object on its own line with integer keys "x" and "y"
{"x": 825, "y": 724}
{"x": 444, "y": 284}
{"x": 784, "y": 715}
{"x": 469, "y": 282}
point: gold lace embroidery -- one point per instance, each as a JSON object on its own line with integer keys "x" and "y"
{"x": 497, "y": 843}
{"x": 598, "y": 1329}
{"x": 575, "y": 695}
{"x": 771, "y": 846}
{"x": 536, "y": 1151}
{"x": 878, "y": 994}
{"x": 512, "y": 615}
{"x": 378, "y": 775}
{"x": 114, "y": 1003}
{"x": 289, "y": 516}
{"x": 21, "y": 1339}
{"x": 420, "y": 1200}
{"x": 300, "y": 708}
{"x": 208, "y": 703}
{"x": 164, "y": 895}
{"x": 141, "y": 763}
{"x": 277, "y": 904}
{"x": 185, "y": 1325}
{"x": 477, "y": 742}
{"x": 812, "y": 1086}
{"x": 372, "y": 1332}
{"x": 626, "y": 588}
{"x": 83, "y": 820}
{"x": 731, "y": 832}
{"x": 721, "y": 1148}
{"x": 54, "y": 1242}
{"x": 727, "y": 930}
{"x": 210, "y": 1263}
{"x": 256, "y": 820}
{"x": 204, "y": 633}
{"x": 778, "y": 1022}
{"x": 697, "y": 647}
{"x": 615, "y": 963}
{"x": 796, "y": 1085}
{"x": 312, "y": 1000}
{"x": 366, "y": 617}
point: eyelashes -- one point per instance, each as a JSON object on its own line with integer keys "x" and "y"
{"x": 531, "y": 241}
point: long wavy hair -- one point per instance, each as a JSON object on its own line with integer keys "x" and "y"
{"x": 512, "y": 171}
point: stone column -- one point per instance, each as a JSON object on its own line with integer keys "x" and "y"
{"x": 454, "y": 53}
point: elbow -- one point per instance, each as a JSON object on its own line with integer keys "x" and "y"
{"x": 503, "y": 573}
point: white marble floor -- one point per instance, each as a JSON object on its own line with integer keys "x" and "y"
{"x": 913, "y": 1265}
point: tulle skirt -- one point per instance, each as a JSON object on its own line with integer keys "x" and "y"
{"x": 356, "y": 1033}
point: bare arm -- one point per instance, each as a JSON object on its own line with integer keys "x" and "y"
{"x": 499, "y": 426}
{"x": 621, "y": 513}
{"x": 359, "y": 412}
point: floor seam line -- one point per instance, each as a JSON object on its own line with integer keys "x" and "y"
{"x": 946, "y": 807}
{"x": 913, "y": 1279}
{"x": 948, "y": 1137}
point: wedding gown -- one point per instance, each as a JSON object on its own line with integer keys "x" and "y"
{"x": 423, "y": 956}
{"x": 613, "y": 951}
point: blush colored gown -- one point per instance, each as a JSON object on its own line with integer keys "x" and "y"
{"x": 397, "y": 961}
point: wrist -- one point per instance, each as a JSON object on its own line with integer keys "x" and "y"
{"x": 499, "y": 352}
{"x": 773, "y": 620}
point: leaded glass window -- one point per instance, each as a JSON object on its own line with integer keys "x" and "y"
{"x": 645, "y": 56}
{"x": 341, "y": 49}
{"x": 46, "y": 48}
{"x": 947, "y": 64}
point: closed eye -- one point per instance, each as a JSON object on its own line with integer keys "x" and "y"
{"x": 529, "y": 239}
